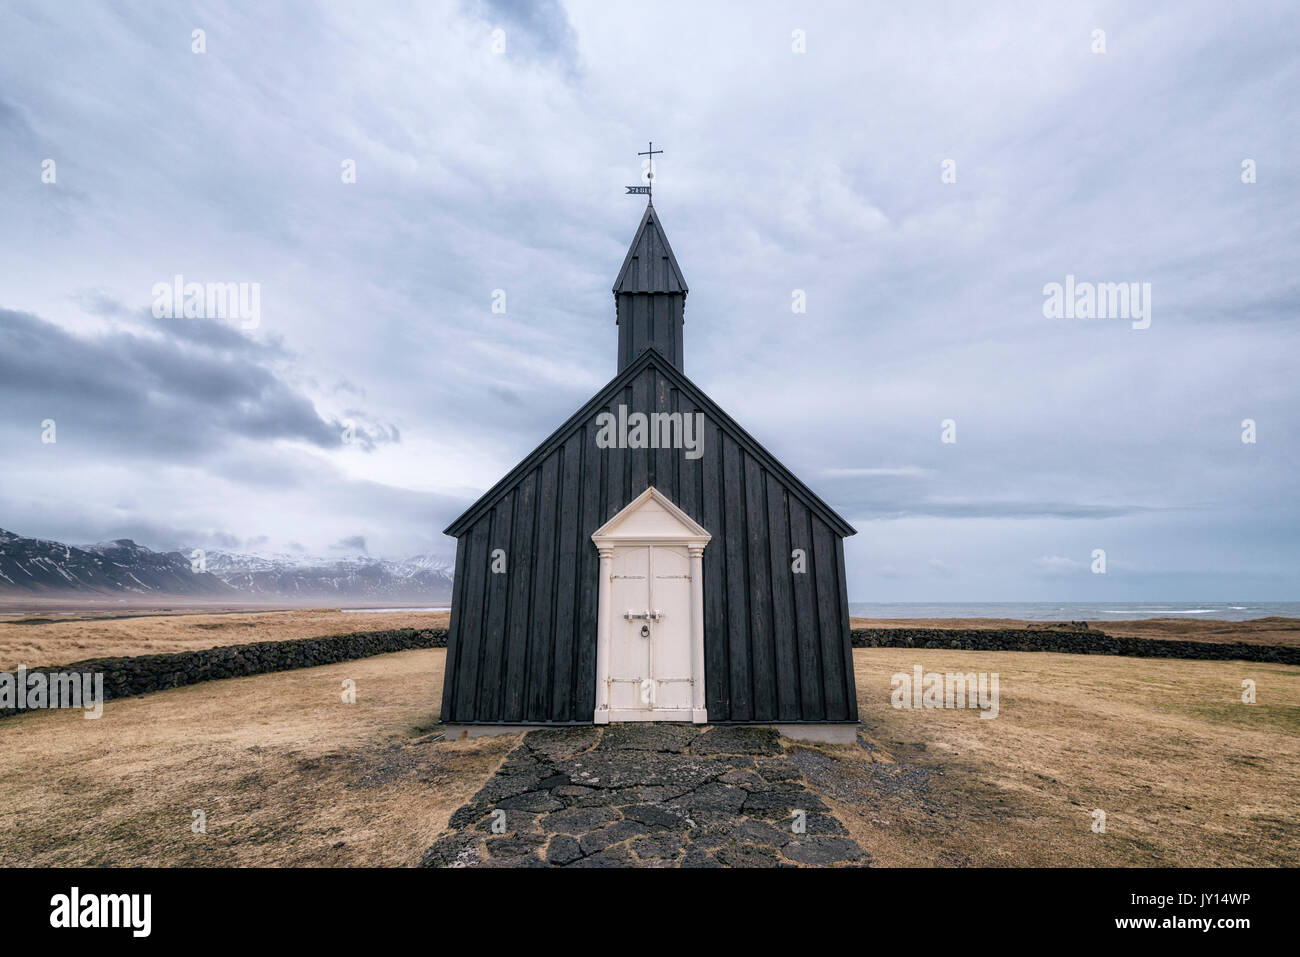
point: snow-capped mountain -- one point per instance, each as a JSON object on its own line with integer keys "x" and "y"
{"x": 34, "y": 566}
{"x": 31, "y": 566}
{"x": 421, "y": 578}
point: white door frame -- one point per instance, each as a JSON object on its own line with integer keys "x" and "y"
{"x": 666, "y": 525}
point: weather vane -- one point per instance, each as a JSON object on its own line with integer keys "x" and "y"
{"x": 648, "y": 189}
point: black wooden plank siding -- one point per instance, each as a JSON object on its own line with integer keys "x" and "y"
{"x": 520, "y": 561}
{"x": 650, "y": 321}
{"x": 522, "y": 644}
{"x": 495, "y": 616}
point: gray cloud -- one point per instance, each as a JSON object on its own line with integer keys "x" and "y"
{"x": 538, "y": 30}
{"x": 816, "y": 171}
{"x": 172, "y": 395}
{"x": 12, "y": 120}
{"x": 1003, "y": 510}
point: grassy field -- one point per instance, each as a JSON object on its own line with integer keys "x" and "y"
{"x": 288, "y": 774}
{"x": 54, "y": 638}
{"x": 62, "y": 642}
{"x": 1186, "y": 773}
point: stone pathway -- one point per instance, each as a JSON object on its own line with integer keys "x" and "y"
{"x": 646, "y": 795}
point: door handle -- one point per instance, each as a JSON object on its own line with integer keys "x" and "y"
{"x": 645, "y": 631}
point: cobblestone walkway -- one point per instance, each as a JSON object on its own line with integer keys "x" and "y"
{"x": 646, "y": 795}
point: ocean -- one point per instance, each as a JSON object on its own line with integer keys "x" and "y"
{"x": 1077, "y": 611}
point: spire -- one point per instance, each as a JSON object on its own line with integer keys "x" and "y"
{"x": 650, "y": 295}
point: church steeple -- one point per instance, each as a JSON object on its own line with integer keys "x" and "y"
{"x": 650, "y": 296}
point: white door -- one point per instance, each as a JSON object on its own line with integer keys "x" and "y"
{"x": 650, "y": 614}
{"x": 650, "y": 647}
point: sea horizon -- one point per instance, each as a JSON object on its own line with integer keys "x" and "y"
{"x": 1078, "y": 611}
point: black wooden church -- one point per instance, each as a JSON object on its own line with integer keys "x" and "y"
{"x": 650, "y": 560}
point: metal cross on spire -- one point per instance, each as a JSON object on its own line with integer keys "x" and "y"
{"x": 648, "y": 189}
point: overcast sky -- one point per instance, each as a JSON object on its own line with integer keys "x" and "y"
{"x": 821, "y": 171}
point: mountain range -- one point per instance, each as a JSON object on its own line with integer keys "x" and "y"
{"x": 33, "y": 567}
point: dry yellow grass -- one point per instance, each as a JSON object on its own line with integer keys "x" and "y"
{"x": 286, "y": 773}
{"x": 63, "y": 642}
{"x": 1186, "y": 773}
{"x": 76, "y": 638}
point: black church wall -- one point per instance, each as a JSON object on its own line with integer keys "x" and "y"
{"x": 522, "y": 643}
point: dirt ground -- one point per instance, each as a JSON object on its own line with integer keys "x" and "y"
{"x": 287, "y": 774}
{"x": 61, "y": 642}
{"x": 284, "y": 771}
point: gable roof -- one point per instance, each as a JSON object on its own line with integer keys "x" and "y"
{"x": 650, "y": 265}
{"x": 651, "y": 357}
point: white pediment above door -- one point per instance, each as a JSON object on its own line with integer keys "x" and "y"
{"x": 651, "y": 517}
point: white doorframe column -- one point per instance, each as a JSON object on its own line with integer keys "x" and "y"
{"x": 699, "y": 715}
{"x": 603, "y": 624}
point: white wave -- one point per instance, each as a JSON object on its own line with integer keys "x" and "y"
{"x": 376, "y": 611}
{"x": 1159, "y": 611}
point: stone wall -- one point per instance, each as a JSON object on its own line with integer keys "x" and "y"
{"x": 142, "y": 674}
{"x": 1069, "y": 642}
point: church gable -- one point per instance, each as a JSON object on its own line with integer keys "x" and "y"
{"x": 623, "y": 411}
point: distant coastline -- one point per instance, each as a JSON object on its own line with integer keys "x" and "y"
{"x": 1095, "y": 612}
